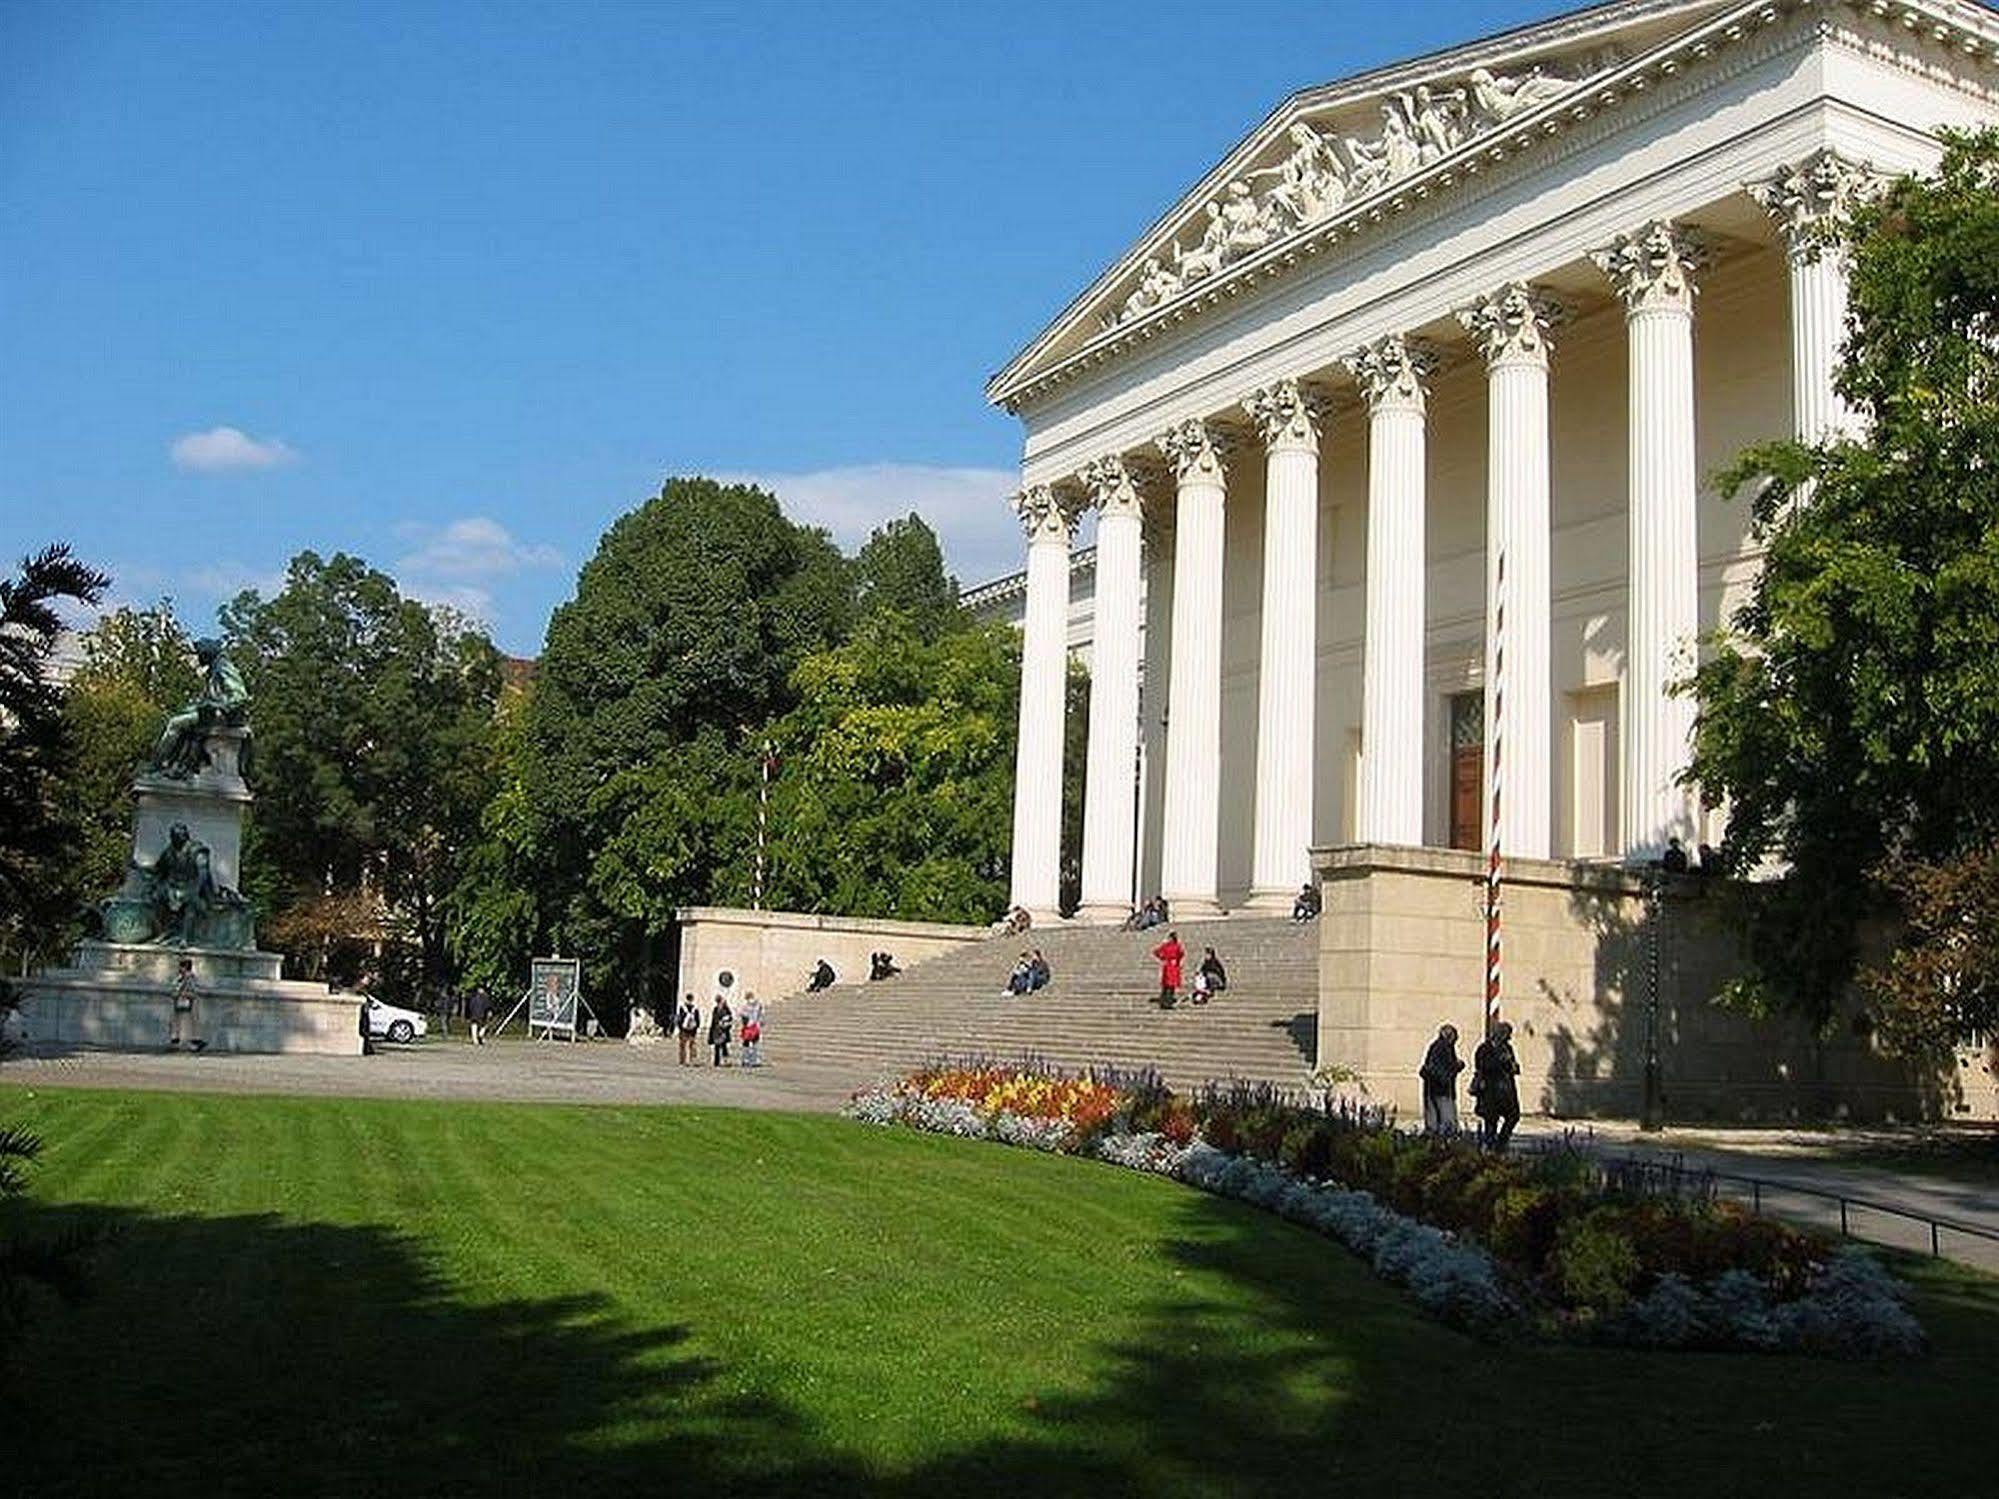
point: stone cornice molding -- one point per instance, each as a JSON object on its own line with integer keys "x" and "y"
{"x": 1044, "y": 515}
{"x": 1393, "y": 373}
{"x": 1287, "y": 414}
{"x": 1113, "y": 487}
{"x": 1511, "y": 325}
{"x": 1808, "y": 201}
{"x": 1195, "y": 450}
{"x": 1968, "y": 33}
{"x": 1652, "y": 270}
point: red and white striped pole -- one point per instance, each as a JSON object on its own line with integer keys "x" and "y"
{"x": 1492, "y": 943}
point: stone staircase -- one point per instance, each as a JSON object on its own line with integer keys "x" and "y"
{"x": 1099, "y": 1008}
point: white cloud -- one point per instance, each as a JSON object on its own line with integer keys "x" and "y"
{"x": 454, "y": 564}
{"x": 228, "y": 450}
{"x": 475, "y": 546}
{"x": 966, "y": 507}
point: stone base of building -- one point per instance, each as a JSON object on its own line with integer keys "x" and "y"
{"x": 770, "y": 953}
{"x": 118, "y": 996}
{"x": 1402, "y": 951}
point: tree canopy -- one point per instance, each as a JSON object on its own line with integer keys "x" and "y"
{"x": 1850, "y": 717}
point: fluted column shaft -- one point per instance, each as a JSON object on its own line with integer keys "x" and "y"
{"x": 1651, "y": 271}
{"x": 1189, "y": 844}
{"x": 1288, "y": 418}
{"x": 1391, "y": 375}
{"x": 1110, "y": 792}
{"x": 1511, "y": 329}
{"x": 1044, "y": 656}
{"x": 1806, "y": 202}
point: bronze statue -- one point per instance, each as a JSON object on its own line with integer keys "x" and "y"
{"x": 223, "y": 701}
{"x": 182, "y": 887}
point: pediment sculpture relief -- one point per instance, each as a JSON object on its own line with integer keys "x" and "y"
{"x": 1321, "y": 172}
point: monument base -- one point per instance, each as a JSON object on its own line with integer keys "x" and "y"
{"x": 118, "y": 996}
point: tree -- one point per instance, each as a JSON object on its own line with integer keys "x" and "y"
{"x": 1852, "y": 714}
{"x": 40, "y": 839}
{"x": 895, "y": 796}
{"x": 374, "y": 721}
{"x": 679, "y": 643}
{"x": 138, "y": 667}
{"x": 901, "y": 568}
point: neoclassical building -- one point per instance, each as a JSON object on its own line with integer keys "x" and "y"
{"x": 1396, "y": 436}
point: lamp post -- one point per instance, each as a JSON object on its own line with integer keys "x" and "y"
{"x": 1652, "y": 1110}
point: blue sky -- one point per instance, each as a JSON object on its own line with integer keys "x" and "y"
{"x": 451, "y": 286}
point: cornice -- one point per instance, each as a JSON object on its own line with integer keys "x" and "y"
{"x": 1969, "y": 30}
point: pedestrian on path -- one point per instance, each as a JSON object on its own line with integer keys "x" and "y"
{"x": 721, "y": 1021}
{"x": 478, "y": 1010}
{"x": 687, "y": 1026}
{"x": 1439, "y": 1072}
{"x": 1170, "y": 954}
{"x": 1494, "y": 1073}
{"x": 184, "y": 1021}
{"x": 753, "y": 1029}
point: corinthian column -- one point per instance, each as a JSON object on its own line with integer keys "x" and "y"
{"x": 1110, "y": 792}
{"x": 1194, "y": 699}
{"x": 1392, "y": 375}
{"x": 1044, "y": 659}
{"x": 1511, "y": 328}
{"x": 1288, "y": 419}
{"x": 1651, "y": 272}
{"x": 1806, "y": 202}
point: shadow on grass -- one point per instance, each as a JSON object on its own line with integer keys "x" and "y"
{"x": 252, "y": 1355}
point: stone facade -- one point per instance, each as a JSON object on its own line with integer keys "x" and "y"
{"x": 1402, "y": 951}
{"x": 772, "y": 952}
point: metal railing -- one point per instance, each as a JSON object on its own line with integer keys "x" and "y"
{"x": 1675, "y": 1176}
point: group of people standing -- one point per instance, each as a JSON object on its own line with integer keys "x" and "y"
{"x": 724, "y": 1024}
{"x": 1495, "y": 1087}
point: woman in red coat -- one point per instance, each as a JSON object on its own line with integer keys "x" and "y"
{"x": 1169, "y": 953}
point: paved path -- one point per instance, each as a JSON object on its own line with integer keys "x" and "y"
{"x": 544, "y": 1072}
{"x": 1808, "y": 1158}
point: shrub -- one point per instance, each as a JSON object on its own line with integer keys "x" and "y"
{"x": 1594, "y": 1263}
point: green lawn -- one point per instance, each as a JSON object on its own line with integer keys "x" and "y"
{"x": 332, "y": 1297}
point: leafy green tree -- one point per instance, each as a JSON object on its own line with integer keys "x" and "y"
{"x": 901, "y": 568}
{"x": 895, "y": 790}
{"x": 1852, "y": 714}
{"x": 40, "y": 839}
{"x": 138, "y": 667}
{"x": 374, "y": 724}
{"x": 685, "y": 628}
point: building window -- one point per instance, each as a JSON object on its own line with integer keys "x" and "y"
{"x": 1467, "y": 767}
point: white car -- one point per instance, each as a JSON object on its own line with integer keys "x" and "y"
{"x": 390, "y": 1023}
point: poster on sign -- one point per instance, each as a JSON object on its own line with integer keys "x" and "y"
{"x": 554, "y": 991}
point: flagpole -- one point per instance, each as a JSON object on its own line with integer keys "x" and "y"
{"x": 1493, "y": 781}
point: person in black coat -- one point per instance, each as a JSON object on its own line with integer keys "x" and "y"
{"x": 721, "y": 1021}
{"x": 1441, "y": 1066}
{"x": 1494, "y": 1083}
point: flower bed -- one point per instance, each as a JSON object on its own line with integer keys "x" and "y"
{"x": 1557, "y": 1244}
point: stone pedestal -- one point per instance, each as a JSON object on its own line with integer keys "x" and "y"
{"x": 118, "y": 994}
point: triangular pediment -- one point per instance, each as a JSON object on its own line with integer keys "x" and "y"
{"x": 1338, "y": 152}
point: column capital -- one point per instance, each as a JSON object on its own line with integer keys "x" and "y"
{"x": 1511, "y": 325}
{"x": 1808, "y": 199}
{"x": 1113, "y": 486}
{"x": 1043, "y": 514}
{"x": 1195, "y": 449}
{"x": 1393, "y": 372}
{"x": 1652, "y": 270}
{"x": 1287, "y": 414}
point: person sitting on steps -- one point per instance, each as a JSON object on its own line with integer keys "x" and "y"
{"x": 1210, "y": 978}
{"x": 1021, "y": 978}
{"x": 1307, "y": 906}
{"x": 1038, "y": 972}
{"x": 823, "y": 977}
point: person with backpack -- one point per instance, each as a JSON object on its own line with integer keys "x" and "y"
{"x": 721, "y": 1022}
{"x": 1170, "y": 955}
{"x": 687, "y": 1027}
{"x": 1210, "y": 978}
{"x": 753, "y": 1029}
